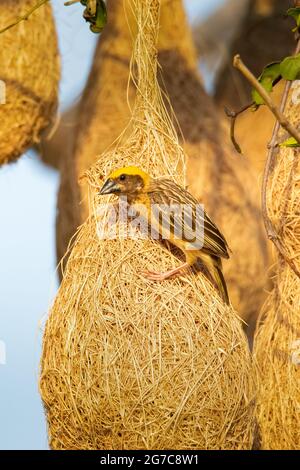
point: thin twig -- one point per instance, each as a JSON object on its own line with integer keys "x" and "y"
{"x": 233, "y": 116}
{"x": 269, "y": 165}
{"x": 71, "y": 2}
{"x": 24, "y": 17}
{"x": 284, "y": 122}
{"x": 270, "y": 229}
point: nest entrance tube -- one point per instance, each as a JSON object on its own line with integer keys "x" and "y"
{"x": 132, "y": 364}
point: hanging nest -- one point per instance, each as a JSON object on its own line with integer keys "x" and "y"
{"x": 58, "y": 144}
{"x": 214, "y": 174}
{"x": 132, "y": 364}
{"x": 29, "y": 68}
{"x": 277, "y": 341}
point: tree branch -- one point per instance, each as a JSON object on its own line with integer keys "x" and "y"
{"x": 71, "y": 2}
{"x": 284, "y": 122}
{"x": 25, "y": 16}
{"x": 281, "y": 119}
{"x": 233, "y": 116}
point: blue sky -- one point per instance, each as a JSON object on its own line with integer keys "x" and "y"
{"x": 27, "y": 247}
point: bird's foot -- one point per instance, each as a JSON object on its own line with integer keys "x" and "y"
{"x": 155, "y": 276}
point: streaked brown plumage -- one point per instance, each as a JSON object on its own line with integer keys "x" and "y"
{"x": 146, "y": 193}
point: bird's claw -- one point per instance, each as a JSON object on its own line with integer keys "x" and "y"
{"x": 155, "y": 276}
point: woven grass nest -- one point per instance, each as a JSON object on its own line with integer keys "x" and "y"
{"x": 29, "y": 68}
{"x": 132, "y": 364}
{"x": 277, "y": 340}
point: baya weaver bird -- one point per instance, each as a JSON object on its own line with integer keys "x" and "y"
{"x": 143, "y": 193}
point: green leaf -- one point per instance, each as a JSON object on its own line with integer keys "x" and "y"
{"x": 258, "y": 100}
{"x": 269, "y": 77}
{"x": 290, "y": 67}
{"x": 295, "y": 13}
{"x": 101, "y": 17}
{"x": 290, "y": 142}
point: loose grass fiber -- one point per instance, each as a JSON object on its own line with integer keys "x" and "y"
{"x": 132, "y": 364}
{"x": 29, "y": 68}
{"x": 277, "y": 341}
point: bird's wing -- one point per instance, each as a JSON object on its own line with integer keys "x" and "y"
{"x": 176, "y": 210}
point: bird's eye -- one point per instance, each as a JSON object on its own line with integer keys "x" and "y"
{"x": 122, "y": 177}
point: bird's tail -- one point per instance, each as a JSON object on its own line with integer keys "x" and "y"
{"x": 214, "y": 266}
{"x": 220, "y": 281}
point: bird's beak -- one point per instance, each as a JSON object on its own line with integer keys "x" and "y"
{"x": 109, "y": 187}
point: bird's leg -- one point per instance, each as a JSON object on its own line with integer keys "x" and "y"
{"x": 154, "y": 276}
